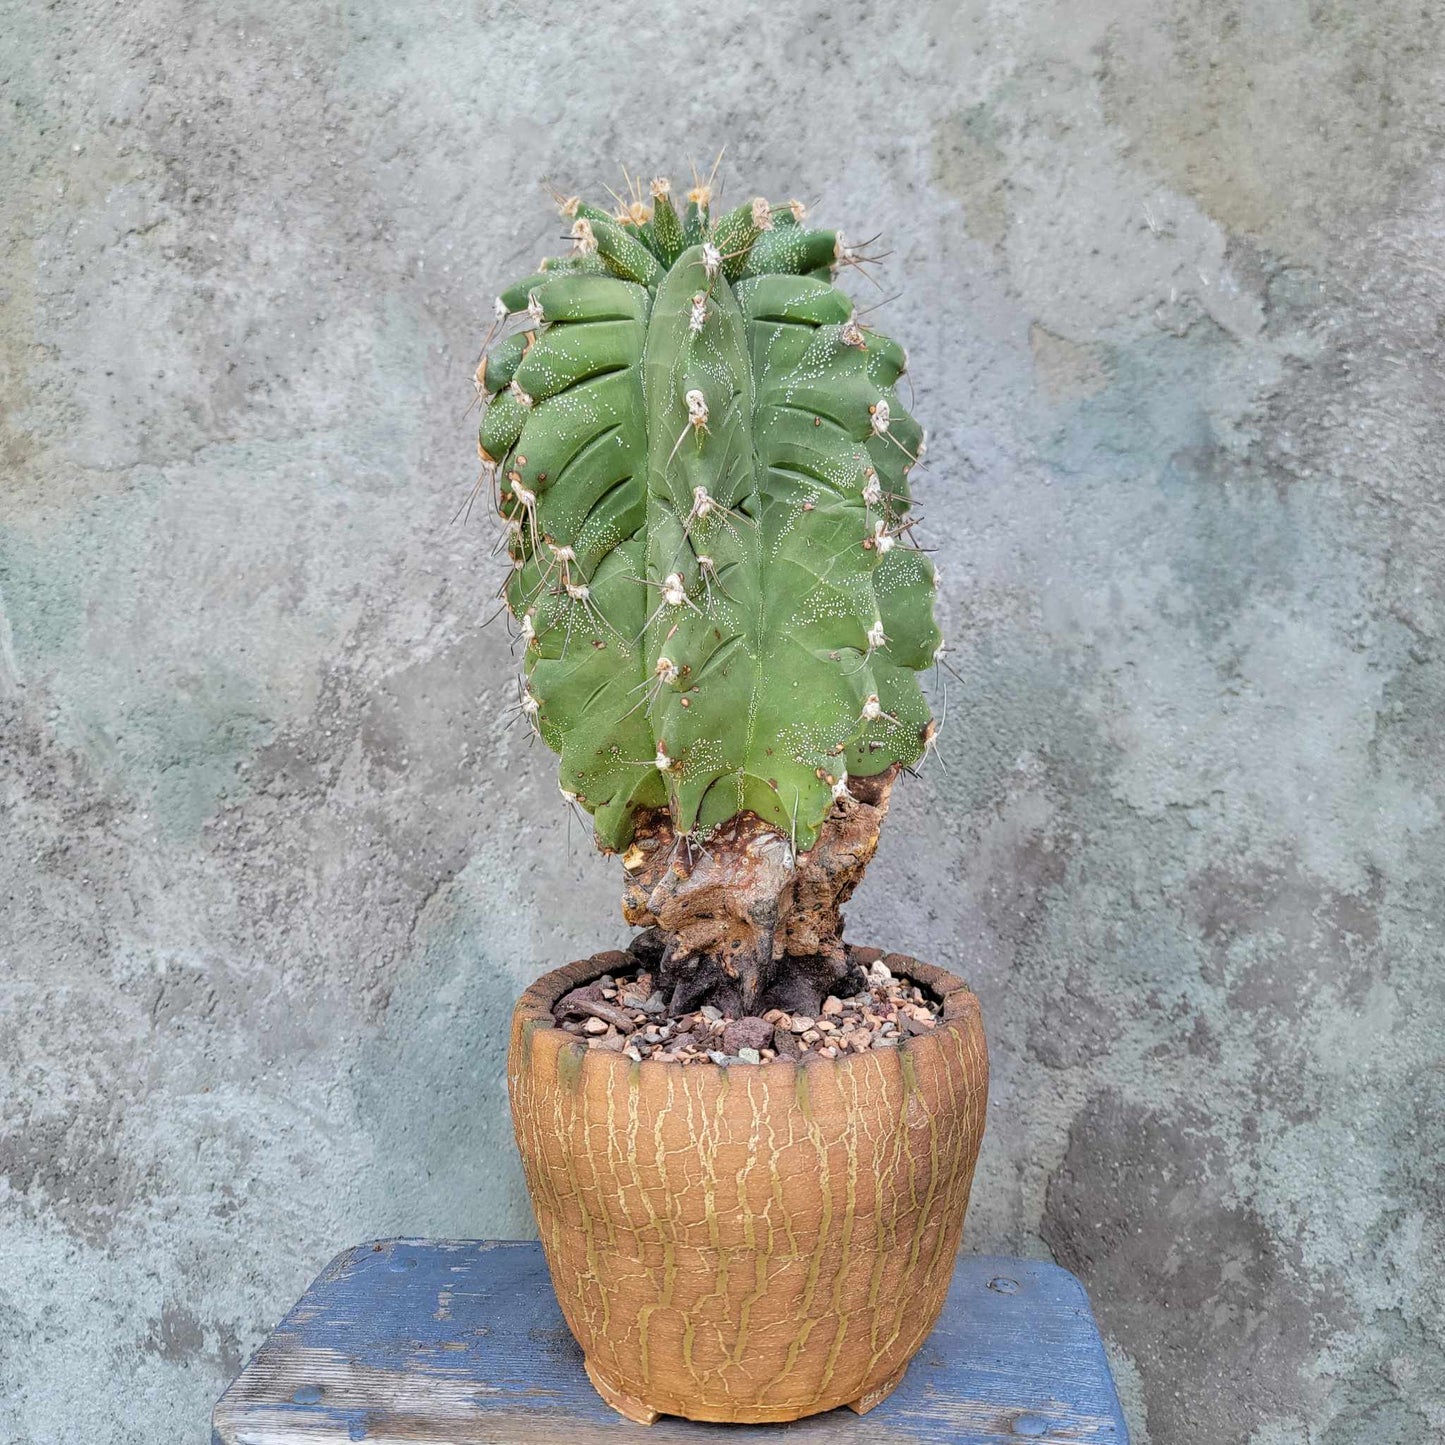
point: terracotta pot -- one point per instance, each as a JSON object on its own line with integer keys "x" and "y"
{"x": 755, "y": 1242}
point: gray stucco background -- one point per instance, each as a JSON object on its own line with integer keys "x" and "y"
{"x": 273, "y": 866}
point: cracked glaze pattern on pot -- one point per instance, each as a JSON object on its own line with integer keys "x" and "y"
{"x": 757, "y": 1242}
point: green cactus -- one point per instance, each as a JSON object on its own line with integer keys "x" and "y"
{"x": 702, "y": 468}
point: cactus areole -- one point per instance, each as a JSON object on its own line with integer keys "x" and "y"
{"x": 701, "y": 466}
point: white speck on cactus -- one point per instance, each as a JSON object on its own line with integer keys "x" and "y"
{"x": 583, "y": 241}
{"x": 876, "y": 637}
{"x": 499, "y": 309}
{"x": 525, "y": 497}
{"x": 882, "y": 542}
{"x": 697, "y": 318}
{"x": 667, "y": 670}
{"x": 564, "y": 554}
{"x": 578, "y": 591}
{"x": 880, "y": 416}
{"x": 534, "y": 309}
{"x": 702, "y": 504}
{"x": 711, "y": 259}
{"x": 762, "y": 214}
{"x": 529, "y": 628}
{"x": 661, "y": 186}
{"x": 872, "y": 490}
{"x": 522, "y": 398}
{"x": 673, "y": 592}
{"x": 840, "y": 787}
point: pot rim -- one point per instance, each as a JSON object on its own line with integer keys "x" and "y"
{"x": 960, "y": 1015}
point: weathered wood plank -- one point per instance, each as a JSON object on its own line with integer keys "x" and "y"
{"x": 407, "y": 1341}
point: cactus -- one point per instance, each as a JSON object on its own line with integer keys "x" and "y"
{"x": 701, "y": 467}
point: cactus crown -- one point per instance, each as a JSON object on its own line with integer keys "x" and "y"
{"x": 701, "y": 466}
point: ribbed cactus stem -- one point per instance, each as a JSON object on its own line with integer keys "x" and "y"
{"x": 702, "y": 470}
{"x": 666, "y": 224}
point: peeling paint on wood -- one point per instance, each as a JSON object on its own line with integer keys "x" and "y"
{"x": 463, "y": 1342}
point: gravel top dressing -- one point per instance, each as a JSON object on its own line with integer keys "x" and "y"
{"x": 625, "y": 1014}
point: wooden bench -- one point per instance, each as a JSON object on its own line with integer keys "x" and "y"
{"x": 461, "y": 1341}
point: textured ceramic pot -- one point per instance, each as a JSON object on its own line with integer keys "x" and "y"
{"x": 755, "y": 1242}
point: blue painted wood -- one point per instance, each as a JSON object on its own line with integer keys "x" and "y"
{"x": 463, "y": 1342}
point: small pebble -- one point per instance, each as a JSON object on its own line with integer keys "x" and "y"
{"x": 750, "y": 1056}
{"x": 785, "y": 1043}
{"x": 747, "y": 1033}
{"x": 711, "y": 1014}
{"x": 832, "y": 1005}
{"x": 594, "y": 1026}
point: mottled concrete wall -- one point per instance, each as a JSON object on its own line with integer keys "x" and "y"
{"x": 274, "y": 867}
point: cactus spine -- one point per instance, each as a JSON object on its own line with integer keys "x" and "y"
{"x": 701, "y": 466}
